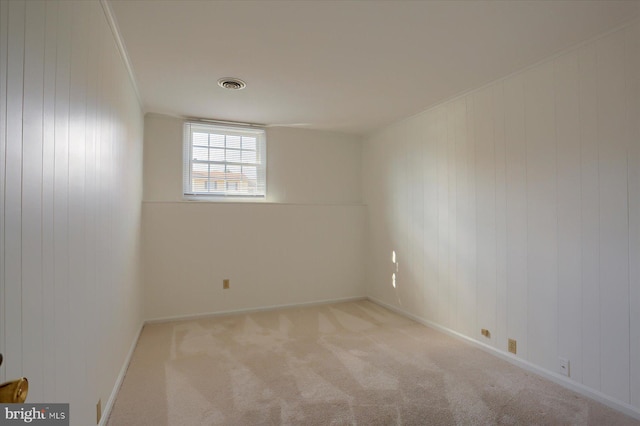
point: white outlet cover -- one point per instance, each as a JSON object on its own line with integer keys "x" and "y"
{"x": 563, "y": 364}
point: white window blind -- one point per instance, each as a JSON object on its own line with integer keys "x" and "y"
{"x": 224, "y": 161}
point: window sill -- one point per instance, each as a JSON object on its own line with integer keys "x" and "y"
{"x": 222, "y": 199}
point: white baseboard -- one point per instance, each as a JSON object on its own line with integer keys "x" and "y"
{"x": 251, "y": 310}
{"x": 583, "y": 390}
{"x": 106, "y": 411}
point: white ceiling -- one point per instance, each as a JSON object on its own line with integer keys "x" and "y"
{"x": 348, "y": 66}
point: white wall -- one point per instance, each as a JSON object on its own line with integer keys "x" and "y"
{"x": 516, "y": 208}
{"x": 70, "y": 164}
{"x": 305, "y": 244}
{"x": 313, "y": 167}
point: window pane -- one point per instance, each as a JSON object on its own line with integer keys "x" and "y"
{"x": 248, "y": 143}
{"x": 217, "y": 154}
{"x": 217, "y": 178}
{"x": 250, "y": 172}
{"x": 199, "y": 185}
{"x": 233, "y": 141}
{"x": 199, "y": 177}
{"x": 249, "y": 157}
{"x": 200, "y": 169}
{"x": 234, "y": 177}
{"x": 217, "y": 170}
{"x": 233, "y": 156}
{"x": 233, "y": 171}
{"x": 200, "y": 153}
{"x": 200, "y": 139}
{"x": 217, "y": 140}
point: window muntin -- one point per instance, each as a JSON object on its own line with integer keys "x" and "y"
{"x": 224, "y": 161}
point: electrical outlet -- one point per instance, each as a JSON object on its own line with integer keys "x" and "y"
{"x": 564, "y": 366}
{"x": 99, "y": 411}
{"x": 485, "y": 332}
{"x": 513, "y": 346}
{"x": 225, "y": 284}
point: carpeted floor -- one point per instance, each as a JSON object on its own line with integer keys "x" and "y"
{"x": 341, "y": 364}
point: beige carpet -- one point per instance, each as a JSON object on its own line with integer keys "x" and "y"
{"x": 341, "y": 364}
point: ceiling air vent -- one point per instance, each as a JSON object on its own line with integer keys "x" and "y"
{"x": 232, "y": 83}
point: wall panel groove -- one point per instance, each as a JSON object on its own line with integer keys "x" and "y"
{"x": 569, "y": 212}
{"x": 614, "y": 245}
{"x": 633, "y": 120}
{"x": 13, "y": 190}
{"x": 32, "y": 157}
{"x": 4, "y": 27}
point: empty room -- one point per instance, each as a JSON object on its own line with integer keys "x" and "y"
{"x": 319, "y": 212}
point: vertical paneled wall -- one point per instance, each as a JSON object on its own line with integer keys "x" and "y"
{"x": 516, "y": 208}
{"x": 70, "y": 167}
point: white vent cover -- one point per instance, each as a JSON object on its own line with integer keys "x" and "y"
{"x": 232, "y": 83}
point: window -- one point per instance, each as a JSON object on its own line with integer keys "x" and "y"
{"x": 224, "y": 161}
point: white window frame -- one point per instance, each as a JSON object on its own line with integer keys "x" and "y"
{"x": 227, "y": 193}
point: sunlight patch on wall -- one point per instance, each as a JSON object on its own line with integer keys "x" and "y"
{"x": 394, "y": 260}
